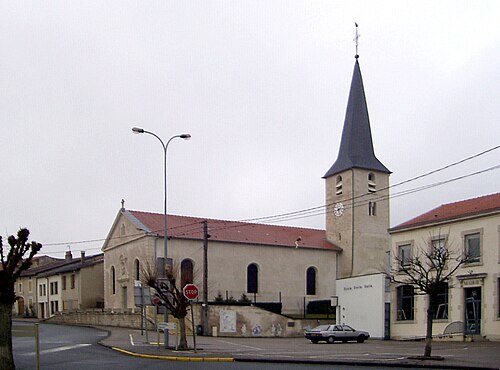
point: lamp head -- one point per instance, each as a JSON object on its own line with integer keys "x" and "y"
{"x": 185, "y": 136}
{"x": 137, "y": 130}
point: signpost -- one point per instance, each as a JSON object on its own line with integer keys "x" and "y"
{"x": 29, "y": 331}
{"x": 191, "y": 292}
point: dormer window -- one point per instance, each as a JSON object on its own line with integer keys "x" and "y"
{"x": 338, "y": 186}
{"x": 371, "y": 183}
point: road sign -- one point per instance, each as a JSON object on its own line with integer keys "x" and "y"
{"x": 142, "y": 296}
{"x": 156, "y": 301}
{"x": 190, "y": 291}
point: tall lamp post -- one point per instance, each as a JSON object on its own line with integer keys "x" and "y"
{"x": 138, "y": 130}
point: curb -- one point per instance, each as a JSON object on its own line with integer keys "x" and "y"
{"x": 175, "y": 358}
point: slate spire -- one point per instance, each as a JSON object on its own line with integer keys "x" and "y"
{"x": 356, "y": 146}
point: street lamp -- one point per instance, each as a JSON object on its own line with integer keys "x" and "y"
{"x": 138, "y": 130}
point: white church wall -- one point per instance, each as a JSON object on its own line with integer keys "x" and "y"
{"x": 361, "y": 303}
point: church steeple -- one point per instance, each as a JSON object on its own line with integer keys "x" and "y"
{"x": 356, "y": 146}
{"x": 357, "y": 192}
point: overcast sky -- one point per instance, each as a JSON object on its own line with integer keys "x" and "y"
{"x": 261, "y": 86}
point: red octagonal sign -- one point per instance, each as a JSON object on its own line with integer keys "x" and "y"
{"x": 190, "y": 291}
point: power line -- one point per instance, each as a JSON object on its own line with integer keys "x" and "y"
{"x": 314, "y": 211}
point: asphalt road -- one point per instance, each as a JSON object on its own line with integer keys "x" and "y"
{"x": 75, "y": 348}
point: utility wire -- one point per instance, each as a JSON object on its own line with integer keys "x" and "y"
{"x": 313, "y": 211}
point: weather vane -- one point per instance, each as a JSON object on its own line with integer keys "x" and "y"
{"x": 356, "y": 40}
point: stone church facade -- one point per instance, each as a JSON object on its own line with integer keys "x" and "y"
{"x": 276, "y": 263}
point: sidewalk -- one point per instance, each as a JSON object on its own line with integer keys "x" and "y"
{"x": 455, "y": 355}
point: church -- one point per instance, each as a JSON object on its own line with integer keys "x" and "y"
{"x": 267, "y": 263}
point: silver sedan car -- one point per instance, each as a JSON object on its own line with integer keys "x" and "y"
{"x": 336, "y": 333}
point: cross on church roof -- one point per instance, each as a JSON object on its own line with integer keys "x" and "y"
{"x": 356, "y": 40}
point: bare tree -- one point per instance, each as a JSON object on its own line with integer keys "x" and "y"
{"x": 428, "y": 270}
{"x": 14, "y": 263}
{"x": 170, "y": 293}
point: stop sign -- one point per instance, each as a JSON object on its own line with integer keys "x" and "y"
{"x": 190, "y": 291}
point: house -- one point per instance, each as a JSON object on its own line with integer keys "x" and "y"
{"x": 61, "y": 285}
{"x": 471, "y": 299}
{"x": 26, "y": 290}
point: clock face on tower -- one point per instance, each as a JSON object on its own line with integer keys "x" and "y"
{"x": 338, "y": 209}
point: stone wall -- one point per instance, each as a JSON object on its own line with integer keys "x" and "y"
{"x": 98, "y": 318}
{"x": 251, "y": 321}
{"x": 224, "y": 320}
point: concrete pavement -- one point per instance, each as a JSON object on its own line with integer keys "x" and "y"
{"x": 454, "y": 355}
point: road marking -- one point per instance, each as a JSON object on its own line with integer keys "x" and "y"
{"x": 240, "y": 345}
{"x": 58, "y": 349}
{"x": 131, "y": 340}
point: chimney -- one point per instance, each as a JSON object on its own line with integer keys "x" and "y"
{"x": 68, "y": 256}
{"x": 83, "y": 256}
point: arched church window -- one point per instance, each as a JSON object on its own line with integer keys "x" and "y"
{"x": 311, "y": 281}
{"x": 372, "y": 186}
{"x": 186, "y": 272}
{"x": 137, "y": 270}
{"x": 252, "y": 278}
{"x": 113, "y": 280}
{"x": 338, "y": 185}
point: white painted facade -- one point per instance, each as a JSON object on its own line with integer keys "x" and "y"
{"x": 361, "y": 302}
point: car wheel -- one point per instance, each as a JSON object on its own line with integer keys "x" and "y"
{"x": 330, "y": 340}
{"x": 361, "y": 339}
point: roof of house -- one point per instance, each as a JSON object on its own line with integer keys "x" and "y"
{"x": 62, "y": 265}
{"x": 356, "y": 145}
{"x": 34, "y": 269}
{"x": 74, "y": 264}
{"x": 184, "y": 227}
{"x": 454, "y": 211}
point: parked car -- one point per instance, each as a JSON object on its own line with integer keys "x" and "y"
{"x": 335, "y": 333}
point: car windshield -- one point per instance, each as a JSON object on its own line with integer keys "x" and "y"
{"x": 321, "y": 328}
{"x": 347, "y": 327}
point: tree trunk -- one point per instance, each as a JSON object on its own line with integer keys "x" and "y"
{"x": 182, "y": 330}
{"x": 6, "y": 357}
{"x": 428, "y": 335}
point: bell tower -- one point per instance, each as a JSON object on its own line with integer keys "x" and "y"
{"x": 357, "y": 192}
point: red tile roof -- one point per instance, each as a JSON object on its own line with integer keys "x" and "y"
{"x": 454, "y": 211}
{"x": 184, "y": 227}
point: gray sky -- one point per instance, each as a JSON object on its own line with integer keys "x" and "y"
{"x": 262, "y": 87}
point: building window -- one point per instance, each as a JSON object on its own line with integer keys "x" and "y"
{"x": 372, "y": 208}
{"x": 473, "y": 248}
{"x": 113, "y": 280}
{"x": 54, "y": 307}
{"x": 404, "y": 255}
{"x": 64, "y": 283}
{"x": 137, "y": 270}
{"x": 498, "y": 295}
{"x": 29, "y": 285}
{"x": 20, "y": 287}
{"x": 53, "y": 288}
{"x": 186, "y": 272}
{"x": 438, "y": 245}
{"x": 252, "y": 278}
{"x": 372, "y": 188}
{"x": 73, "y": 281}
{"x": 405, "y": 298}
{"x": 311, "y": 281}
{"x": 440, "y": 306}
{"x": 338, "y": 186}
